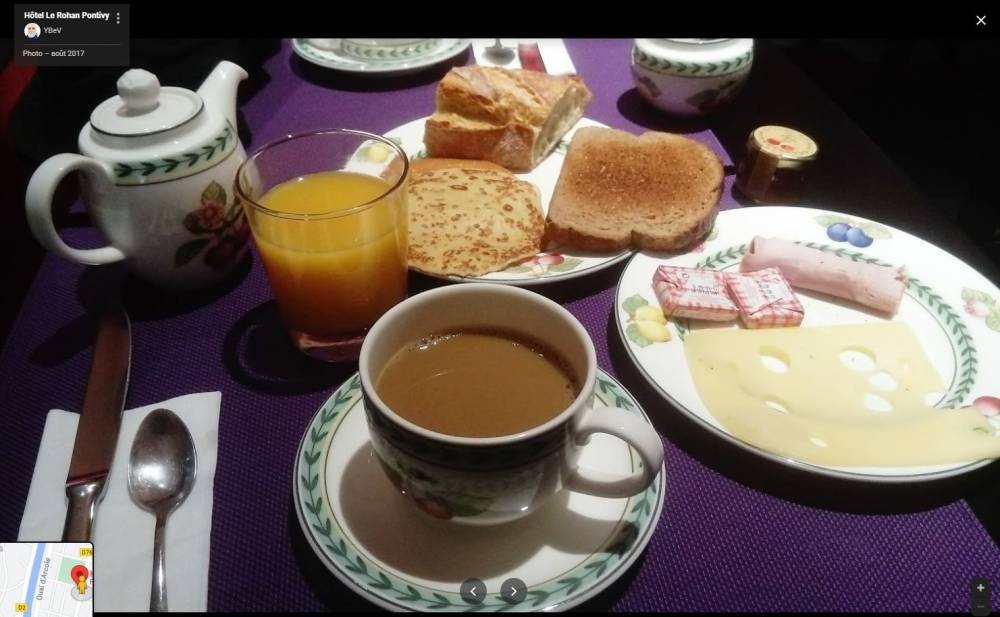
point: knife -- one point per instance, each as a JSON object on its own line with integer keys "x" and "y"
{"x": 100, "y": 419}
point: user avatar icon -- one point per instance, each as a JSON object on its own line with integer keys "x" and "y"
{"x": 32, "y": 31}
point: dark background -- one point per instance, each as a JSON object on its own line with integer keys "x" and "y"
{"x": 930, "y": 106}
{"x": 926, "y": 103}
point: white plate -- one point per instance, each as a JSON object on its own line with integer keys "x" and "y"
{"x": 384, "y": 549}
{"x": 333, "y": 59}
{"x": 571, "y": 263}
{"x": 953, "y": 310}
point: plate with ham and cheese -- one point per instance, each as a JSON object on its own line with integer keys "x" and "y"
{"x": 823, "y": 341}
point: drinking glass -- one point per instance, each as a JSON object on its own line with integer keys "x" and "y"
{"x": 336, "y": 256}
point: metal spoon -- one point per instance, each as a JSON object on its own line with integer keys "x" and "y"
{"x": 499, "y": 53}
{"x": 161, "y": 472}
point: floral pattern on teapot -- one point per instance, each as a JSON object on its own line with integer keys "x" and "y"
{"x": 223, "y": 232}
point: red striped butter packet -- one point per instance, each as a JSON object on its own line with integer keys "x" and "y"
{"x": 693, "y": 293}
{"x": 765, "y": 299}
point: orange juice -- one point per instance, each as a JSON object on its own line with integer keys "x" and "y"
{"x": 335, "y": 266}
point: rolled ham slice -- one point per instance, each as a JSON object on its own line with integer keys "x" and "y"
{"x": 878, "y": 287}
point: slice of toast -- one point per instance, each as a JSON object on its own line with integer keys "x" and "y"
{"x": 657, "y": 191}
{"x": 468, "y": 218}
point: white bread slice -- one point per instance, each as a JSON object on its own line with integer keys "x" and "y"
{"x": 657, "y": 191}
{"x": 511, "y": 117}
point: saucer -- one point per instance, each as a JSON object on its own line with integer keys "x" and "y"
{"x": 390, "y": 64}
{"x": 383, "y": 548}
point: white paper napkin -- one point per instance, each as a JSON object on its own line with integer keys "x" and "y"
{"x": 553, "y": 52}
{"x": 123, "y": 532}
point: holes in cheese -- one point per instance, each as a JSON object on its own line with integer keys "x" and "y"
{"x": 774, "y": 359}
{"x": 825, "y": 397}
{"x": 877, "y": 403}
{"x": 775, "y": 405}
{"x": 884, "y": 381}
{"x": 858, "y": 359}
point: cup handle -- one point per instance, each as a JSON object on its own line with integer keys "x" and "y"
{"x": 633, "y": 430}
{"x": 38, "y": 203}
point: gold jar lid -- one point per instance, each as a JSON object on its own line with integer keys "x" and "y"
{"x": 773, "y": 167}
{"x": 784, "y": 143}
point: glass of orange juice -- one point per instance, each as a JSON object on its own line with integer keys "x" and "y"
{"x": 328, "y": 214}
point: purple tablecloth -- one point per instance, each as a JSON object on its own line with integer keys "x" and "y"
{"x": 735, "y": 534}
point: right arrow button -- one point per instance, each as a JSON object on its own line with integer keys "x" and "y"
{"x": 513, "y": 591}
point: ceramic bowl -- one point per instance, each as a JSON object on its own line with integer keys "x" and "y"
{"x": 691, "y": 77}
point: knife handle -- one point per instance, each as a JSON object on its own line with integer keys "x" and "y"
{"x": 80, "y": 513}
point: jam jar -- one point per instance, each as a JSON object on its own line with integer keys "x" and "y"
{"x": 774, "y": 168}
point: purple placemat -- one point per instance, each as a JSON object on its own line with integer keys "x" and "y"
{"x": 720, "y": 544}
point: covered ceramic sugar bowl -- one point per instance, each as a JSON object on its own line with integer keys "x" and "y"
{"x": 690, "y": 77}
{"x": 157, "y": 171}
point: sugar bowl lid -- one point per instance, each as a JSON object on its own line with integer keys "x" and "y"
{"x": 142, "y": 107}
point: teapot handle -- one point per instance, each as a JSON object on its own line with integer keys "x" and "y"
{"x": 38, "y": 203}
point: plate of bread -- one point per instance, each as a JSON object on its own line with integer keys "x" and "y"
{"x": 511, "y": 183}
{"x": 823, "y": 341}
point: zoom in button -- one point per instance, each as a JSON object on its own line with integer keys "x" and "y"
{"x": 980, "y": 596}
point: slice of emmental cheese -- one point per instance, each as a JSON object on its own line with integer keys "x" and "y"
{"x": 848, "y": 395}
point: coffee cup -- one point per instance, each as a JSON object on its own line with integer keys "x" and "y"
{"x": 490, "y": 480}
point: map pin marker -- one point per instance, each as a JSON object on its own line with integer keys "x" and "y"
{"x": 79, "y": 574}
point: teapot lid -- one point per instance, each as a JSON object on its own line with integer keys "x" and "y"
{"x": 142, "y": 107}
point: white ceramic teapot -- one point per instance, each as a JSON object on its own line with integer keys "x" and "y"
{"x": 157, "y": 170}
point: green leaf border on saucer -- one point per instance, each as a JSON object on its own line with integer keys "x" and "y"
{"x": 564, "y": 590}
{"x": 388, "y": 53}
{"x": 331, "y": 59}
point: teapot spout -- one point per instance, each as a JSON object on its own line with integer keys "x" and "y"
{"x": 219, "y": 88}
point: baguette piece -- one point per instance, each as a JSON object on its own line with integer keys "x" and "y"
{"x": 511, "y": 117}
{"x": 657, "y": 191}
{"x": 468, "y": 218}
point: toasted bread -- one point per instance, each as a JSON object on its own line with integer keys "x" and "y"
{"x": 511, "y": 117}
{"x": 657, "y": 191}
{"x": 468, "y": 218}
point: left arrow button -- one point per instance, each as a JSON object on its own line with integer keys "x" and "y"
{"x": 473, "y": 591}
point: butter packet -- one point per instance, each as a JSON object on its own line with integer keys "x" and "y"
{"x": 765, "y": 299}
{"x": 693, "y": 293}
